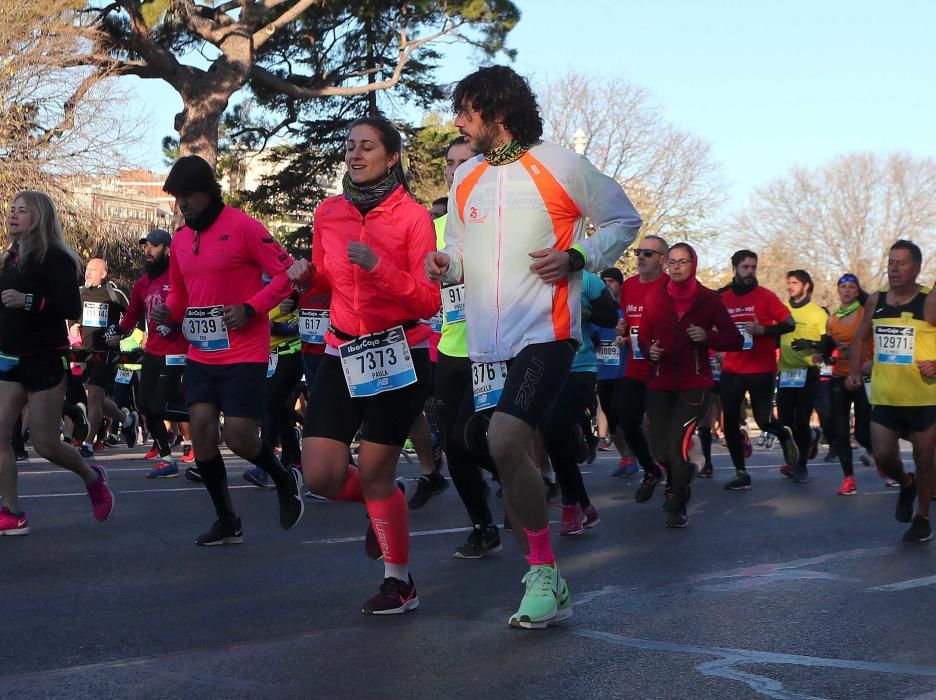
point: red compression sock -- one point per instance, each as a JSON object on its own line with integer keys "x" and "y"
{"x": 390, "y": 520}
{"x": 351, "y": 491}
{"x": 541, "y": 552}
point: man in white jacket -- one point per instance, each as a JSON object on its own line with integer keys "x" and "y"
{"x": 515, "y": 236}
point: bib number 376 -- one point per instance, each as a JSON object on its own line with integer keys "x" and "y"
{"x": 487, "y": 383}
{"x": 376, "y": 363}
{"x": 204, "y": 328}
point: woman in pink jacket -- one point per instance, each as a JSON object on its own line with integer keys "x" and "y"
{"x": 368, "y": 247}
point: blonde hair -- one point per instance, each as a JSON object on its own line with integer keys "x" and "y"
{"x": 45, "y": 232}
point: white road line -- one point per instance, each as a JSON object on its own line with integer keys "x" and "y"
{"x": 119, "y": 493}
{"x": 905, "y": 585}
{"x": 416, "y": 533}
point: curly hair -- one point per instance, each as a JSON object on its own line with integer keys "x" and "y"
{"x": 498, "y": 92}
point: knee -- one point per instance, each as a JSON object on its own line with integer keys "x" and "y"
{"x": 243, "y": 445}
{"x": 45, "y": 445}
{"x": 323, "y": 478}
{"x": 501, "y": 446}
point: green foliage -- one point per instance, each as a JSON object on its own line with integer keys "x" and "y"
{"x": 425, "y": 158}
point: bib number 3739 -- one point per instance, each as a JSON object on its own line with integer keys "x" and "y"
{"x": 204, "y": 328}
{"x": 376, "y": 363}
{"x": 487, "y": 383}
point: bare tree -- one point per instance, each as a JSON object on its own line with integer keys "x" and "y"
{"x": 842, "y": 217}
{"x": 669, "y": 174}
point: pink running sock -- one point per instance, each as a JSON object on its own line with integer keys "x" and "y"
{"x": 541, "y": 552}
{"x": 390, "y": 520}
{"x": 351, "y": 491}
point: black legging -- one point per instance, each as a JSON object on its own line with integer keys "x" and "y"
{"x": 631, "y": 403}
{"x": 842, "y": 400}
{"x": 824, "y": 410}
{"x": 560, "y": 437}
{"x": 673, "y": 417}
{"x": 16, "y": 441}
{"x": 456, "y": 419}
{"x": 159, "y": 384}
{"x": 795, "y": 407}
{"x": 279, "y": 413}
{"x": 732, "y": 388}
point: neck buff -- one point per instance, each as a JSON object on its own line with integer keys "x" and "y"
{"x": 683, "y": 293}
{"x": 157, "y": 267}
{"x": 801, "y": 304}
{"x": 507, "y": 153}
{"x": 203, "y": 221}
{"x": 369, "y": 194}
{"x": 742, "y": 289}
{"x": 844, "y": 311}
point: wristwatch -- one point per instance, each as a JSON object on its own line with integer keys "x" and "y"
{"x": 576, "y": 260}
{"x": 250, "y": 311}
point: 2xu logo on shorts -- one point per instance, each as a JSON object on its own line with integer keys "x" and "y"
{"x": 531, "y": 378}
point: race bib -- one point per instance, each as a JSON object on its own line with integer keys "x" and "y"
{"x": 608, "y": 353}
{"x": 748, "y": 338}
{"x": 204, "y": 328}
{"x": 123, "y": 376}
{"x": 825, "y": 370}
{"x": 435, "y": 323}
{"x": 175, "y": 360}
{"x": 793, "y": 378}
{"x": 8, "y": 362}
{"x": 453, "y": 303}
{"x": 94, "y": 314}
{"x": 635, "y": 346}
{"x": 893, "y": 345}
{"x": 487, "y": 383}
{"x": 377, "y": 363}
{"x": 312, "y": 325}
{"x": 716, "y": 368}
{"x": 271, "y": 364}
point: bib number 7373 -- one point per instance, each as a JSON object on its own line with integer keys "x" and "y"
{"x": 376, "y": 363}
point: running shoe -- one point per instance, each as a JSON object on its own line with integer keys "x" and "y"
{"x": 129, "y": 432}
{"x": 314, "y": 496}
{"x": 677, "y": 517}
{"x": 814, "y": 444}
{"x": 393, "y": 598}
{"x": 290, "y": 499}
{"x": 800, "y": 474}
{"x": 427, "y": 486}
{"x": 547, "y": 599}
{"x": 848, "y": 487}
{"x": 746, "y": 444}
{"x": 222, "y": 532}
{"x": 741, "y": 482}
{"x": 13, "y": 524}
{"x": 188, "y": 454}
{"x": 920, "y": 530}
{"x": 591, "y": 516}
{"x": 626, "y": 467}
{"x": 85, "y": 451}
{"x": 102, "y": 499}
{"x": 192, "y": 474}
{"x": 905, "y": 501}
{"x": 408, "y": 447}
{"x": 257, "y": 477}
{"x": 109, "y": 441}
{"x": 605, "y": 444}
{"x": 831, "y": 455}
{"x": 480, "y": 543}
{"x": 22, "y": 456}
{"x": 644, "y": 492}
{"x": 371, "y": 543}
{"x": 707, "y": 471}
{"x": 591, "y": 441}
{"x": 787, "y": 471}
{"x": 788, "y": 445}
{"x": 166, "y": 469}
{"x": 153, "y": 453}
{"x": 892, "y": 483}
{"x": 573, "y": 520}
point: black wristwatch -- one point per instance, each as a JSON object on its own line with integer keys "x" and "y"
{"x": 576, "y": 260}
{"x": 250, "y": 311}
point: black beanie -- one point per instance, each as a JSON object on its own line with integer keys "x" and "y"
{"x": 192, "y": 174}
{"x": 614, "y": 273}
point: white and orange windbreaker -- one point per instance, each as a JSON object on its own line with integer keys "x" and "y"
{"x": 498, "y": 215}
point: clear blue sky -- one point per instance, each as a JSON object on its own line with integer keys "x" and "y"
{"x": 768, "y": 84}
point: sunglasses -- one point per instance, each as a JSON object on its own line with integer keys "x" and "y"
{"x": 645, "y": 253}
{"x": 848, "y": 278}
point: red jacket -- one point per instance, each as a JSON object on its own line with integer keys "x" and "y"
{"x": 685, "y": 364}
{"x": 396, "y": 291}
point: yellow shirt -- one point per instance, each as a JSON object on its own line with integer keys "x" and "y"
{"x": 902, "y": 337}
{"x": 810, "y": 325}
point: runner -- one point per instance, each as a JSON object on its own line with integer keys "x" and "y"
{"x": 368, "y": 247}
{"x": 762, "y": 318}
{"x": 901, "y": 319}
{"x": 651, "y": 255}
{"x": 682, "y": 320}
{"x": 38, "y": 292}
{"x": 522, "y": 291}
{"x": 164, "y": 357}
{"x": 217, "y": 294}
{"x": 613, "y": 354}
{"x": 799, "y": 375}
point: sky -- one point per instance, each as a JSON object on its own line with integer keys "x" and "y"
{"x": 769, "y": 85}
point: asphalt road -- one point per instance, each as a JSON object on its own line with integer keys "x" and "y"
{"x": 784, "y": 591}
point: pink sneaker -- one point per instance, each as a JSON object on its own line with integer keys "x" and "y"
{"x": 787, "y": 471}
{"x": 591, "y": 517}
{"x": 13, "y": 524}
{"x": 572, "y": 520}
{"x": 848, "y": 487}
{"x": 102, "y": 499}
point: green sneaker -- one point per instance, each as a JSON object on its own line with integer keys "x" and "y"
{"x": 547, "y": 599}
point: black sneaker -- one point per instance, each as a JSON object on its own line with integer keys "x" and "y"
{"x": 371, "y": 543}
{"x": 130, "y": 432}
{"x": 481, "y": 542}
{"x": 192, "y": 474}
{"x": 677, "y": 517}
{"x": 788, "y": 446}
{"x": 741, "y": 482}
{"x": 831, "y": 455}
{"x": 644, "y": 492}
{"x": 905, "y": 501}
{"x": 592, "y": 441}
{"x": 800, "y": 474}
{"x": 814, "y": 443}
{"x": 427, "y": 486}
{"x": 920, "y": 530}
{"x": 290, "y": 500}
{"x": 222, "y": 533}
{"x": 707, "y": 471}
{"x": 110, "y": 441}
{"x": 393, "y": 598}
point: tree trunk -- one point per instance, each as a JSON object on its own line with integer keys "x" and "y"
{"x": 198, "y": 125}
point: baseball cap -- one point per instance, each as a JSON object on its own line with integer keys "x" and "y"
{"x": 157, "y": 237}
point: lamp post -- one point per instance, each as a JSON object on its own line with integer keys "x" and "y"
{"x": 579, "y": 140}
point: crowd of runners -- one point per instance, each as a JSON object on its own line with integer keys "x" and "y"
{"x": 493, "y": 335}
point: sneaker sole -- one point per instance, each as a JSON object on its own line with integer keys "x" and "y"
{"x": 15, "y": 532}
{"x": 486, "y": 552}
{"x": 847, "y": 493}
{"x": 411, "y": 604}
{"x": 161, "y": 476}
{"x": 100, "y": 470}
{"x": 919, "y": 540}
{"x": 593, "y": 523}
{"x": 738, "y": 488}
{"x": 559, "y": 616}
{"x": 259, "y": 484}
{"x": 573, "y": 533}
{"x": 224, "y": 540}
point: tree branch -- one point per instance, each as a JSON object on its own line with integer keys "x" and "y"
{"x": 264, "y": 34}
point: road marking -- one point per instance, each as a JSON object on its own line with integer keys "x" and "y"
{"x": 415, "y": 533}
{"x": 119, "y": 493}
{"x": 906, "y": 585}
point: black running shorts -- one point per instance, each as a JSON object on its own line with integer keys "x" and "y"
{"x": 535, "y": 378}
{"x": 237, "y": 388}
{"x": 37, "y": 372}
{"x": 904, "y": 419}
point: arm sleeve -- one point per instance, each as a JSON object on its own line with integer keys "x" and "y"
{"x": 274, "y": 261}
{"x": 415, "y": 292}
{"x": 726, "y": 336}
{"x": 62, "y": 295}
{"x": 134, "y": 310}
{"x": 604, "y": 202}
{"x": 177, "y": 299}
{"x": 604, "y": 310}
{"x": 454, "y": 233}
